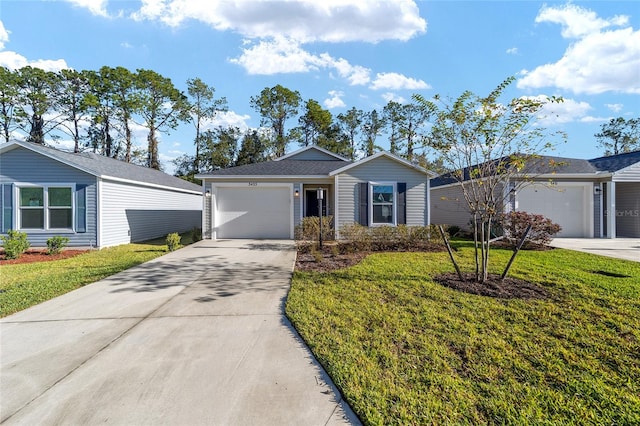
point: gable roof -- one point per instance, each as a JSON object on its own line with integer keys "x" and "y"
{"x": 105, "y": 167}
{"x": 378, "y": 155}
{"x": 614, "y": 163}
{"x": 546, "y": 164}
{"x": 310, "y": 148}
{"x": 280, "y": 168}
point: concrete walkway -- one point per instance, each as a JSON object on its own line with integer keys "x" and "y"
{"x": 620, "y": 248}
{"x": 195, "y": 337}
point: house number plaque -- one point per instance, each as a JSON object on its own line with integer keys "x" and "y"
{"x": 253, "y": 183}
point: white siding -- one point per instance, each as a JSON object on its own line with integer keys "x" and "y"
{"x": 382, "y": 169}
{"x": 628, "y": 174}
{"x": 133, "y": 212}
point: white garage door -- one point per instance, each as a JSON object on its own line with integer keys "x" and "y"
{"x": 564, "y": 204}
{"x": 253, "y": 212}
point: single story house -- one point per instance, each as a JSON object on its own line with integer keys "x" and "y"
{"x": 93, "y": 200}
{"x": 594, "y": 198}
{"x": 268, "y": 199}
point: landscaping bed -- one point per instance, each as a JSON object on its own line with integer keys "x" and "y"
{"x": 39, "y": 255}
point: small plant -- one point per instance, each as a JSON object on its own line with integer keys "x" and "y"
{"x": 309, "y": 229}
{"x": 196, "y": 234}
{"x": 173, "y": 241}
{"x": 15, "y": 243}
{"x": 542, "y": 228}
{"x": 56, "y": 244}
{"x": 317, "y": 255}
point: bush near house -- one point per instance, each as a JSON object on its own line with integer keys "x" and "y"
{"x": 56, "y": 244}
{"x": 355, "y": 237}
{"x": 514, "y": 224}
{"x": 15, "y": 243}
{"x": 309, "y": 229}
{"x": 173, "y": 241}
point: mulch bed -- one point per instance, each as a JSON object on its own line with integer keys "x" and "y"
{"x": 510, "y": 288}
{"x": 330, "y": 262}
{"x": 31, "y": 256}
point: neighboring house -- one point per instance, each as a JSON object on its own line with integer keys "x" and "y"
{"x": 578, "y": 194}
{"x": 268, "y": 199}
{"x": 93, "y": 200}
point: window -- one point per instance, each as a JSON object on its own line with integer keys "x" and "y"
{"x": 47, "y": 207}
{"x": 383, "y": 208}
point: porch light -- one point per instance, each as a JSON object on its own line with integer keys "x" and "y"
{"x": 296, "y": 193}
{"x": 208, "y": 193}
{"x": 597, "y": 190}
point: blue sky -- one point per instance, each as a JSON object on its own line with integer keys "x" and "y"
{"x": 346, "y": 53}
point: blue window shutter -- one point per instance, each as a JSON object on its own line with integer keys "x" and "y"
{"x": 402, "y": 203}
{"x": 81, "y": 208}
{"x": 7, "y": 207}
{"x": 363, "y": 201}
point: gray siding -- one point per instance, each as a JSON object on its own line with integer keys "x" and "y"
{"x": 21, "y": 165}
{"x": 628, "y": 209}
{"x": 448, "y": 207}
{"x": 133, "y": 212}
{"x": 382, "y": 169}
{"x": 297, "y": 203}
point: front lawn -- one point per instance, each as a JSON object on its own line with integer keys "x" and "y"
{"x": 25, "y": 285}
{"x": 406, "y": 350}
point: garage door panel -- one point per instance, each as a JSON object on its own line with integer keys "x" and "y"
{"x": 563, "y": 204}
{"x": 253, "y": 212}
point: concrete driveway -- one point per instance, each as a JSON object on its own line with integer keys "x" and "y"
{"x": 195, "y": 337}
{"x": 620, "y": 248}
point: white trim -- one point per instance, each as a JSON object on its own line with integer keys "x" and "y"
{"x": 314, "y": 147}
{"x": 270, "y": 178}
{"x": 300, "y": 199}
{"x": 394, "y": 185}
{"x": 99, "y": 212}
{"x": 428, "y": 218}
{"x": 151, "y": 185}
{"x": 378, "y": 155}
{"x": 45, "y": 207}
{"x": 611, "y": 209}
{"x": 336, "y": 221}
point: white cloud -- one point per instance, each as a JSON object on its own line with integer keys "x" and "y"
{"x": 335, "y": 101}
{"x": 395, "y": 81}
{"x": 126, "y": 45}
{"x": 389, "y": 96}
{"x": 567, "y": 111}
{"x": 282, "y": 56}
{"x": 4, "y": 35}
{"x": 96, "y": 7}
{"x": 599, "y": 61}
{"x": 614, "y": 107}
{"x": 302, "y": 20}
{"x": 229, "y": 119}
{"x": 277, "y": 56}
{"x": 512, "y": 51}
{"x": 577, "y": 21}
{"x": 14, "y": 61}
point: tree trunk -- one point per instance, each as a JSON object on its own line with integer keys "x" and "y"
{"x": 153, "y": 150}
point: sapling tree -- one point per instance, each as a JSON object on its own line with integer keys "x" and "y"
{"x": 486, "y": 144}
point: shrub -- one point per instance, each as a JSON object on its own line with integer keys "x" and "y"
{"x": 56, "y": 244}
{"x": 173, "y": 241}
{"x": 354, "y": 237}
{"x": 15, "y": 243}
{"x": 309, "y": 229}
{"x": 515, "y": 223}
{"x": 196, "y": 234}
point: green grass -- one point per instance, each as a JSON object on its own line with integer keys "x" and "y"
{"x": 25, "y": 285}
{"x": 405, "y": 350}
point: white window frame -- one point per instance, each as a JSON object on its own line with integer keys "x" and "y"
{"x": 394, "y": 209}
{"x": 46, "y": 208}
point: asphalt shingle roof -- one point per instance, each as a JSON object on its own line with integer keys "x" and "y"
{"x": 105, "y": 166}
{"x": 284, "y": 167}
{"x": 613, "y": 163}
{"x": 562, "y": 165}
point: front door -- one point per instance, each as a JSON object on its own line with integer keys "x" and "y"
{"x": 311, "y": 203}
